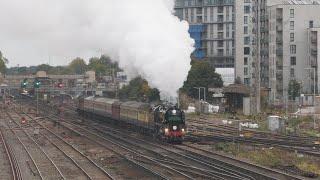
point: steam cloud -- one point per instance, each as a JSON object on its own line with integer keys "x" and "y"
{"x": 142, "y": 35}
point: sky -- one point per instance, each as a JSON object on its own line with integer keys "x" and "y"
{"x": 55, "y": 32}
{"x": 142, "y": 35}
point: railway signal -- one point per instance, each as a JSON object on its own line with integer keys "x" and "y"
{"x": 24, "y": 83}
{"x": 60, "y": 85}
{"x": 37, "y": 84}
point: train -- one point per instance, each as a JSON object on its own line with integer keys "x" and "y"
{"x": 166, "y": 122}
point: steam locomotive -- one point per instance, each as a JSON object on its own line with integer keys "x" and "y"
{"x": 164, "y": 122}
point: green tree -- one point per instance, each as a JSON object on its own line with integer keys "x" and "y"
{"x": 103, "y": 65}
{"x": 293, "y": 89}
{"x": 3, "y": 62}
{"x": 78, "y": 66}
{"x": 44, "y": 67}
{"x": 138, "y": 89}
{"x": 202, "y": 74}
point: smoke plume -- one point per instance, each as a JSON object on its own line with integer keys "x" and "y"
{"x": 142, "y": 35}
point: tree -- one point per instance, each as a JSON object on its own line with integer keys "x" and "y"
{"x": 293, "y": 89}
{"x": 103, "y": 65}
{"x": 201, "y": 75}
{"x": 44, "y": 67}
{"x": 3, "y": 62}
{"x": 139, "y": 90}
{"x": 78, "y": 66}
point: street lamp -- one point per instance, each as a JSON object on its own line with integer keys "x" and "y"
{"x": 314, "y": 94}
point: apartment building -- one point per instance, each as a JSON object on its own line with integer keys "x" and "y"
{"x": 292, "y": 46}
{"x": 212, "y": 27}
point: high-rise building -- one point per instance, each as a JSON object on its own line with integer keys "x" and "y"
{"x": 293, "y": 28}
{"x": 212, "y": 27}
{"x": 269, "y": 42}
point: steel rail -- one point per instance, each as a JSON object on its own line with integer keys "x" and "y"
{"x": 38, "y": 147}
{"x": 13, "y": 165}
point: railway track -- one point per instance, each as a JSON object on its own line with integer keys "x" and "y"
{"x": 70, "y": 161}
{"x": 151, "y": 163}
{"x": 223, "y": 133}
{"x": 13, "y": 170}
{"x": 152, "y": 168}
{"x": 228, "y": 164}
{"x": 253, "y": 174}
{"x": 46, "y": 168}
{"x": 262, "y": 134}
{"x": 144, "y": 154}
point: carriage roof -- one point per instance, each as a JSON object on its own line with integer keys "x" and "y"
{"x": 134, "y": 104}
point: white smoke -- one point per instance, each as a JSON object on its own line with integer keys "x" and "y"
{"x": 142, "y": 35}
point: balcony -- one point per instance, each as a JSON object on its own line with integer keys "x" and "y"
{"x": 279, "y": 86}
{"x": 264, "y": 40}
{"x": 279, "y": 40}
{"x": 263, "y": 29}
{"x": 279, "y": 28}
{"x": 314, "y": 40}
{"x": 313, "y": 63}
{"x": 279, "y": 17}
{"x": 263, "y": 18}
{"x": 279, "y": 52}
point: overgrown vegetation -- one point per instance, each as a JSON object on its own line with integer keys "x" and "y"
{"x": 202, "y": 74}
{"x": 3, "y": 62}
{"x": 101, "y": 65}
{"x": 294, "y": 89}
{"x": 139, "y": 90}
{"x": 271, "y": 157}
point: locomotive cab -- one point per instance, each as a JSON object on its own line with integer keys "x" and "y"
{"x": 174, "y": 124}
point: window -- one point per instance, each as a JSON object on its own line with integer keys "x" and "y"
{"x": 245, "y": 30}
{"x": 245, "y": 71}
{"x": 246, "y": 40}
{"x": 246, "y": 50}
{"x": 220, "y": 18}
{"x": 228, "y": 31}
{"x": 220, "y": 52}
{"x": 292, "y": 72}
{"x": 293, "y": 61}
{"x": 192, "y": 15}
{"x": 310, "y": 24}
{"x": 245, "y": 61}
{"x": 220, "y": 43}
{"x": 211, "y": 14}
{"x": 247, "y": 9}
{"x": 227, "y": 13}
{"x": 205, "y": 14}
{"x": 245, "y": 20}
{"x": 220, "y": 35}
{"x": 293, "y": 49}
{"x": 291, "y": 25}
{"x": 199, "y": 10}
{"x": 291, "y": 37}
{"x": 291, "y": 13}
{"x": 246, "y": 81}
{"x": 220, "y": 9}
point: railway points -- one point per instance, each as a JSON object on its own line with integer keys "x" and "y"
{"x": 112, "y": 135}
{"x": 121, "y": 152}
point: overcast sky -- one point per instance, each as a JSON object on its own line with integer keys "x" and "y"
{"x": 142, "y": 35}
{"x": 46, "y": 31}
